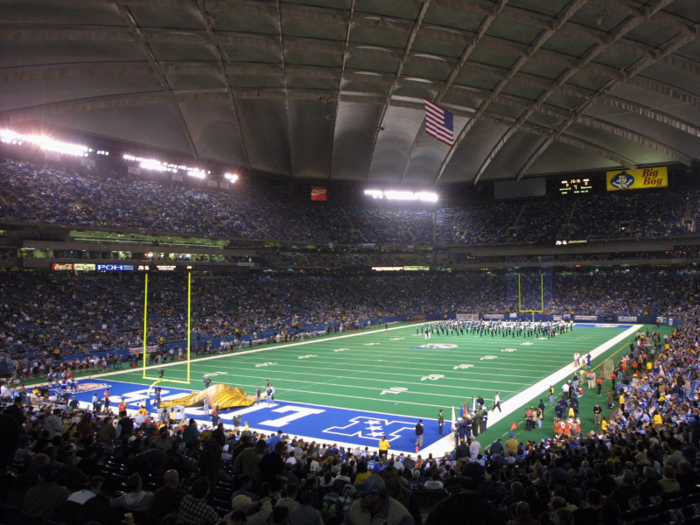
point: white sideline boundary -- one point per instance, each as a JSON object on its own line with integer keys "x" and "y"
{"x": 518, "y": 401}
{"x": 444, "y": 445}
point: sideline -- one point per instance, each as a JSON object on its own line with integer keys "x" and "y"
{"x": 518, "y": 401}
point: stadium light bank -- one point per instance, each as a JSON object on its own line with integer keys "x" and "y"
{"x": 396, "y": 195}
{"x": 157, "y": 165}
{"x": 8, "y": 136}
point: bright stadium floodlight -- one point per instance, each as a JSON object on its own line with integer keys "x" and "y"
{"x": 376, "y": 194}
{"x": 47, "y": 144}
{"x": 231, "y": 177}
{"x": 197, "y": 173}
{"x": 157, "y": 165}
{"x": 399, "y": 195}
{"x": 8, "y": 136}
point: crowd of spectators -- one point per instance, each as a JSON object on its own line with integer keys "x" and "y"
{"x": 54, "y": 195}
{"x": 71, "y": 465}
{"x": 43, "y": 312}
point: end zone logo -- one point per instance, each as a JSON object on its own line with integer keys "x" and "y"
{"x": 89, "y": 387}
{"x": 434, "y": 346}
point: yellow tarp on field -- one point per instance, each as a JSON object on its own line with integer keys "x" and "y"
{"x": 224, "y": 396}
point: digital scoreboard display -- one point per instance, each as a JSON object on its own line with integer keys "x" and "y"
{"x": 575, "y": 186}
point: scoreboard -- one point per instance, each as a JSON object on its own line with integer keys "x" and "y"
{"x": 577, "y": 186}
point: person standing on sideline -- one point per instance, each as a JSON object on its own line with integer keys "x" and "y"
{"x": 441, "y": 422}
{"x": 591, "y": 377}
{"x": 597, "y": 410}
{"x": 205, "y": 405}
{"x": 497, "y": 402}
{"x": 384, "y": 447}
{"x": 215, "y": 418}
{"x": 419, "y": 434}
{"x": 551, "y": 394}
{"x": 157, "y": 402}
{"x": 207, "y": 382}
{"x": 577, "y": 360}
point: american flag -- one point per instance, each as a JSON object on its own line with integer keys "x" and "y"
{"x": 438, "y": 123}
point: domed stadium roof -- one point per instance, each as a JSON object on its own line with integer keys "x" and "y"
{"x": 334, "y": 90}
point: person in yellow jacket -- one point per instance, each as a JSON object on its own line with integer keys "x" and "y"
{"x": 658, "y": 420}
{"x": 384, "y": 447}
{"x": 604, "y": 425}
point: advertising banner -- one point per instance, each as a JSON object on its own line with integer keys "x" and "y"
{"x": 467, "y": 317}
{"x": 627, "y": 318}
{"x": 586, "y": 317}
{"x": 115, "y": 267}
{"x": 62, "y": 267}
{"x": 493, "y": 316}
{"x": 637, "y": 179}
{"x": 81, "y": 267}
{"x": 319, "y": 193}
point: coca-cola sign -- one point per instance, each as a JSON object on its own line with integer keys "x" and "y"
{"x": 59, "y": 266}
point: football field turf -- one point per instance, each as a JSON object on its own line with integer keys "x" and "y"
{"x": 354, "y": 387}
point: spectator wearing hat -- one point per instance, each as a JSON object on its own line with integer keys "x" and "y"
{"x": 376, "y": 506}
{"x": 45, "y": 498}
{"x": 467, "y": 503}
{"x": 511, "y": 444}
{"x": 274, "y": 440}
{"x": 255, "y": 513}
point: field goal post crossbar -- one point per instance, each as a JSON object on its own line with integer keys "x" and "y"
{"x": 145, "y": 337}
{"x": 520, "y": 298}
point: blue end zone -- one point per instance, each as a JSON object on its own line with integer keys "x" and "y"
{"x": 320, "y": 423}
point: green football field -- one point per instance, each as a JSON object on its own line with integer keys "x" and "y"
{"x": 392, "y": 372}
